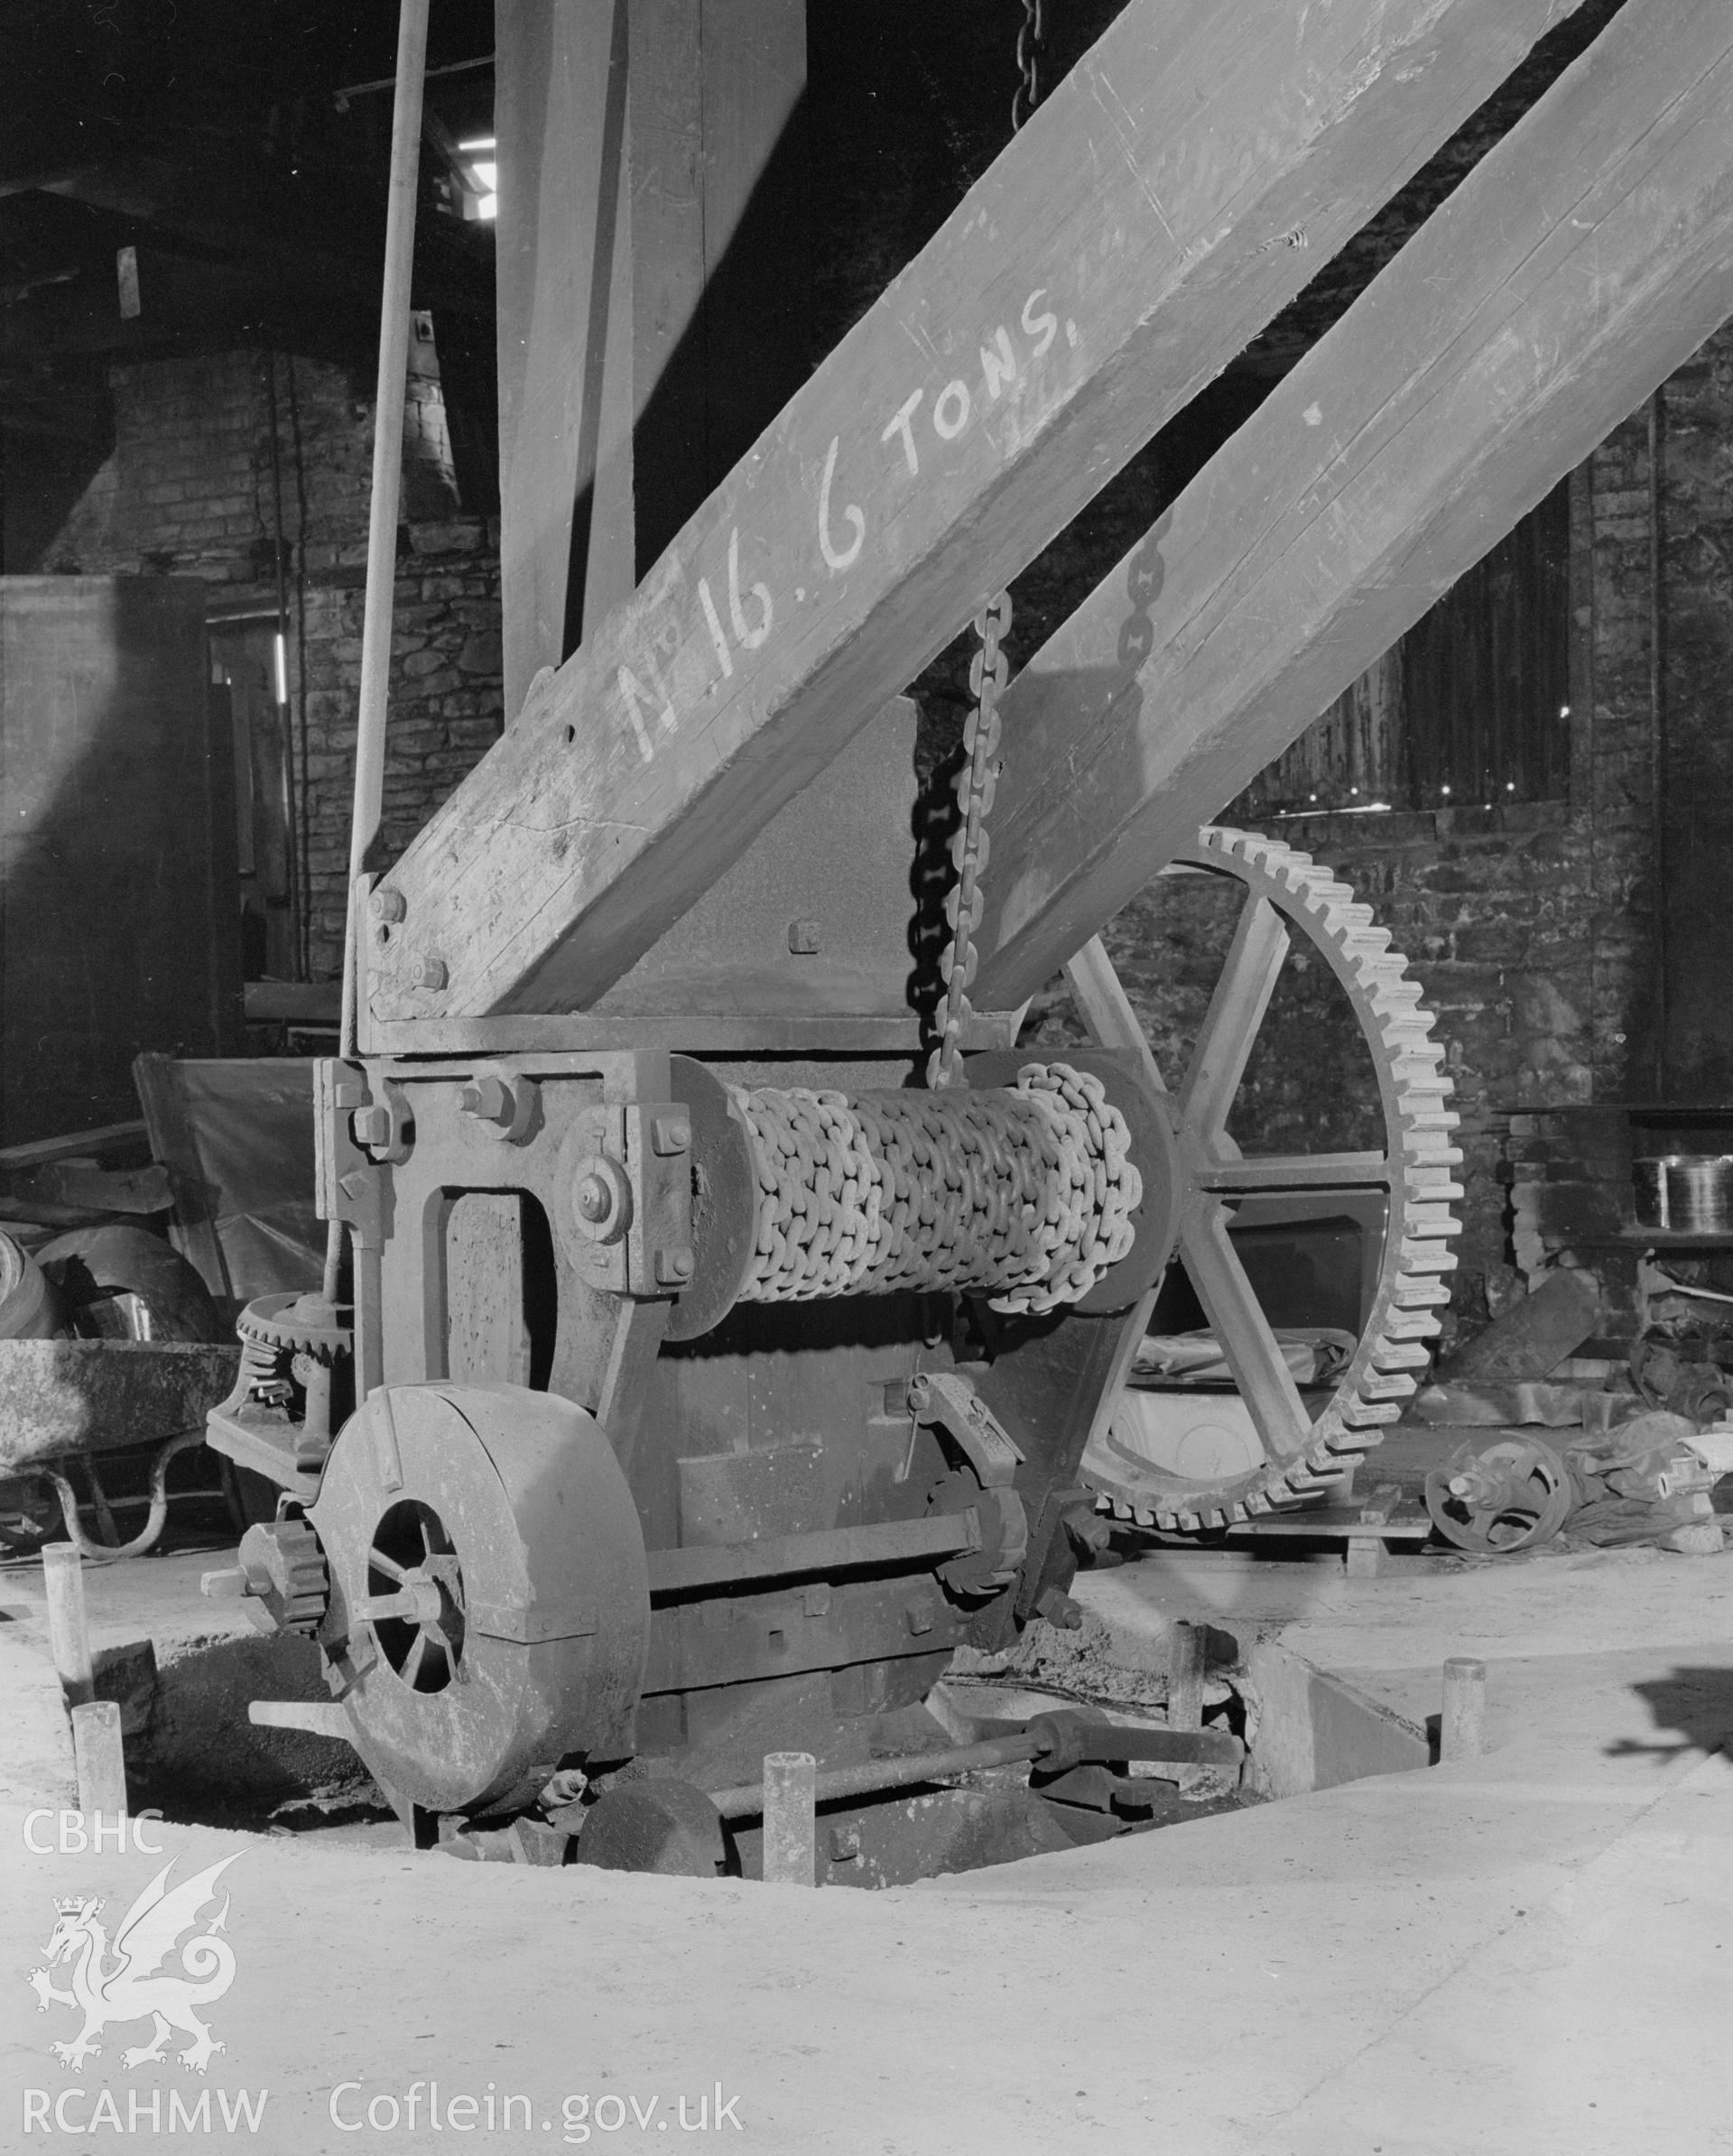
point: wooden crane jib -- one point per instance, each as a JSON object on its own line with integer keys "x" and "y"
{"x": 1127, "y": 243}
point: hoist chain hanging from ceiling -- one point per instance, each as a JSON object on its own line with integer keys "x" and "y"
{"x": 1028, "y": 54}
{"x": 988, "y": 673}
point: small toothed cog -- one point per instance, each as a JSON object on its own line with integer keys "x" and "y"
{"x": 287, "y": 1573}
{"x": 297, "y": 1324}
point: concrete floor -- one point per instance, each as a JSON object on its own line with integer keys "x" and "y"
{"x": 1528, "y": 1952}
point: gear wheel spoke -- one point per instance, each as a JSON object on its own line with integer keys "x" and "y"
{"x": 1231, "y": 1024}
{"x": 1289, "y": 900}
{"x": 1253, "y": 1354}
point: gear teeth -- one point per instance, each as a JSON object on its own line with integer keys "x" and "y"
{"x": 1364, "y": 1414}
{"x": 1418, "y": 1253}
{"x": 1410, "y": 1325}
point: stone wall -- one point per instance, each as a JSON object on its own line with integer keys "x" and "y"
{"x": 192, "y": 487}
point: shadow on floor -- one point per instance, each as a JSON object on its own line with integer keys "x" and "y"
{"x": 1698, "y": 1704}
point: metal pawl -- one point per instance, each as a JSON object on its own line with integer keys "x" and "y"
{"x": 952, "y": 1404}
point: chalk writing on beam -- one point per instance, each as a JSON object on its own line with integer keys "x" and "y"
{"x": 836, "y": 557}
{"x": 749, "y": 639}
{"x": 842, "y": 528}
{"x": 713, "y": 622}
{"x": 638, "y": 700}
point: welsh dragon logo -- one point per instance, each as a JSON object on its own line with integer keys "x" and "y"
{"x": 132, "y": 1990}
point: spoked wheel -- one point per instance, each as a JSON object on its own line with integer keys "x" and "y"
{"x": 489, "y": 1606}
{"x": 1270, "y": 1447}
{"x": 414, "y": 1599}
{"x": 1495, "y": 1498}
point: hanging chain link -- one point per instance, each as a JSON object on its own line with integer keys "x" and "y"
{"x": 988, "y": 672}
{"x": 1028, "y": 50}
{"x": 1028, "y": 1192}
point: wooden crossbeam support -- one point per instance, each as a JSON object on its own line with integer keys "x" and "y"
{"x": 641, "y": 349}
{"x": 1191, "y": 173}
{"x": 1575, "y": 268}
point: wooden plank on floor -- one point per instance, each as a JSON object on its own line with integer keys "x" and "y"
{"x": 1195, "y": 168}
{"x": 1580, "y": 262}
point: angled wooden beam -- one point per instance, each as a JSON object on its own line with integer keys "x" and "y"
{"x": 1578, "y": 265}
{"x": 1180, "y": 184}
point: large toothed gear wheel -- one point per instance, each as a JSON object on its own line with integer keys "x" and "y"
{"x": 1282, "y": 1450}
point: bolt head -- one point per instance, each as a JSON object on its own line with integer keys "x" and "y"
{"x": 489, "y": 1098}
{"x": 427, "y": 972}
{"x": 388, "y": 906}
{"x": 372, "y": 1126}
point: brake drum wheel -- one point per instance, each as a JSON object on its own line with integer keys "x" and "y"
{"x": 490, "y": 1603}
{"x": 1287, "y": 898}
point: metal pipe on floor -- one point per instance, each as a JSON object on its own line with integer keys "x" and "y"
{"x": 874, "y": 1777}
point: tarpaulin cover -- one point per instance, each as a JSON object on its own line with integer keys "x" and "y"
{"x": 236, "y": 1137}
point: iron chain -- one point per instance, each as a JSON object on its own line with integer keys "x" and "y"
{"x": 989, "y": 670}
{"x": 1028, "y": 53}
{"x": 1027, "y": 1192}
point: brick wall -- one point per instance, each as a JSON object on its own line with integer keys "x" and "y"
{"x": 192, "y": 487}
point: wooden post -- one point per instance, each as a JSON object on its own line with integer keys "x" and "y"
{"x": 68, "y": 1636}
{"x": 1185, "y": 1656}
{"x": 1122, "y": 248}
{"x": 789, "y": 1829}
{"x": 98, "y": 1758}
{"x": 387, "y": 474}
{"x": 1460, "y": 1728}
{"x": 641, "y": 349}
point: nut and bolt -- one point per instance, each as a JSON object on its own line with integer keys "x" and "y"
{"x": 426, "y": 971}
{"x": 803, "y": 937}
{"x": 490, "y": 1098}
{"x": 388, "y": 906}
{"x": 595, "y": 1199}
{"x": 670, "y": 1134}
{"x": 673, "y": 1267}
{"x": 372, "y": 1124}
{"x": 1057, "y": 1606}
